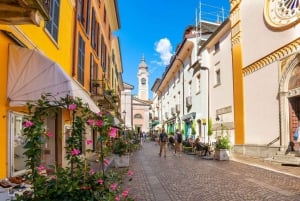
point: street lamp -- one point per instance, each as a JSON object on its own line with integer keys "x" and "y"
{"x": 124, "y": 114}
{"x": 204, "y": 124}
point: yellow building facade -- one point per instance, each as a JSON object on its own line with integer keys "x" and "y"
{"x": 50, "y": 34}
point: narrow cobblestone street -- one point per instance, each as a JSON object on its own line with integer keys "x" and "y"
{"x": 190, "y": 178}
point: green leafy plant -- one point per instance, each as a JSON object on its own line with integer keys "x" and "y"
{"x": 96, "y": 83}
{"x": 223, "y": 142}
{"x": 120, "y": 146}
{"x": 194, "y": 128}
{"x": 77, "y": 181}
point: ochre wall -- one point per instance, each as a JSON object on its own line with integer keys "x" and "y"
{"x": 33, "y": 37}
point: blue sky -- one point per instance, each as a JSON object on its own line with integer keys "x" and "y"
{"x": 154, "y": 29}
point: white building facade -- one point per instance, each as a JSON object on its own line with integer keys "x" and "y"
{"x": 182, "y": 93}
{"x": 265, "y": 50}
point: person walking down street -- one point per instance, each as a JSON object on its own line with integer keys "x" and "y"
{"x": 163, "y": 139}
{"x": 178, "y": 142}
{"x": 141, "y": 138}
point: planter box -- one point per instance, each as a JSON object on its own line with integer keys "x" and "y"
{"x": 121, "y": 161}
{"x": 222, "y": 154}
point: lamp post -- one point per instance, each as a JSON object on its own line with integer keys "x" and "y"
{"x": 124, "y": 131}
{"x": 204, "y": 124}
{"x": 124, "y": 114}
{"x": 208, "y": 98}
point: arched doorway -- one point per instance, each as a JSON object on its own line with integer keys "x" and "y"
{"x": 289, "y": 94}
{"x": 294, "y": 100}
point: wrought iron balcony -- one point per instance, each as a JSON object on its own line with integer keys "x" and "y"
{"x": 105, "y": 98}
{"x": 173, "y": 111}
{"x": 15, "y": 12}
{"x": 189, "y": 101}
{"x": 177, "y": 108}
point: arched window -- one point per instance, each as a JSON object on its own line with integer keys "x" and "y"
{"x": 143, "y": 81}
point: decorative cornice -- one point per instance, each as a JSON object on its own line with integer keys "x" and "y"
{"x": 234, "y": 3}
{"x": 274, "y": 56}
{"x": 236, "y": 40}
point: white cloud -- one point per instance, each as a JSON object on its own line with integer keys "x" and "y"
{"x": 164, "y": 48}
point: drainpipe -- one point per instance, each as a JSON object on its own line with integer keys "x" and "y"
{"x": 74, "y": 41}
{"x": 208, "y": 89}
{"x": 182, "y": 64}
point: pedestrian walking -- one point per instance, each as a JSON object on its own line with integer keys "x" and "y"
{"x": 178, "y": 142}
{"x": 163, "y": 138}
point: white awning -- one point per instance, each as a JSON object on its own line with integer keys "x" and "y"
{"x": 30, "y": 73}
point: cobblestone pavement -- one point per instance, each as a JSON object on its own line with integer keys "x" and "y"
{"x": 191, "y": 178}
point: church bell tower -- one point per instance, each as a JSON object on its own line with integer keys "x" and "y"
{"x": 143, "y": 76}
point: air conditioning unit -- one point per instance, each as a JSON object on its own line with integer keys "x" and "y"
{"x": 189, "y": 101}
{"x": 173, "y": 111}
{"x": 177, "y": 108}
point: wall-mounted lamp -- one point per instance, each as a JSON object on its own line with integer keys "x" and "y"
{"x": 217, "y": 118}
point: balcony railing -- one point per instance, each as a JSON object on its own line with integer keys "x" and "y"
{"x": 105, "y": 98}
{"x": 173, "y": 112}
{"x": 97, "y": 87}
{"x": 177, "y": 108}
{"x": 189, "y": 101}
{"x": 15, "y": 12}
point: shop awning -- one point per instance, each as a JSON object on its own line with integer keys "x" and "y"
{"x": 30, "y": 73}
{"x": 154, "y": 123}
{"x": 189, "y": 116}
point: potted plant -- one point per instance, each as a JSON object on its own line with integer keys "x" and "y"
{"x": 109, "y": 92}
{"x": 222, "y": 148}
{"x": 120, "y": 151}
{"x": 210, "y": 130}
{"x": 95, "y": 83}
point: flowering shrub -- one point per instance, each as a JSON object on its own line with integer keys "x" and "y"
{"x": 77, "y": 181}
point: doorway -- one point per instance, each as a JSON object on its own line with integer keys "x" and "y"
{"x": 294, "y": 114}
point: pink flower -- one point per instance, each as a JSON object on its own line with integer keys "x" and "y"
{"x": 117, "y": 198}
{"x": 41, "y": 168}
{"x": 28, "y": 123}
{"x": 50, "y": 134}
{"x": 100, "y": 181}
{"x": 91, "y": 122}
{"x": 91, "y": 172}
{"x": 125, "y": 193}
{"x": 113, "y": 186}
{"x": 88, "y": 142}
{"x": 106, "y": 162}
{"x": 99, "y": 113}
{"x": 72, "y": 106}
{"x": 130, "y": 173}
{"x": 99, "y": 123}
{"x": 113, "y": 132}
{"x": 75, "y": 152}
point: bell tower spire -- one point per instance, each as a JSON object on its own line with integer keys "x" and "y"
{"x": 143, "y": 77}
